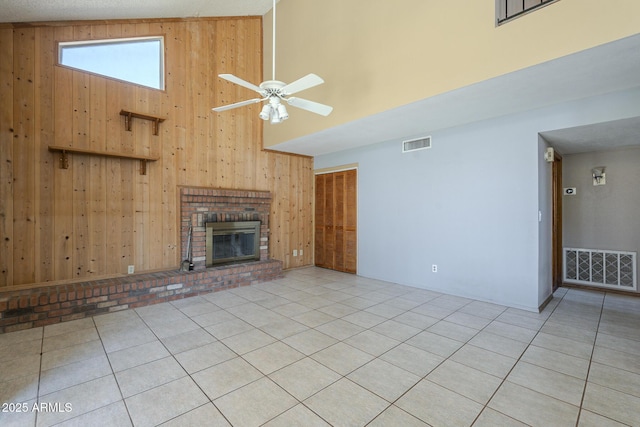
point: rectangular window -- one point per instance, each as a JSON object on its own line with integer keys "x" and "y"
{"x": 138, "y": 60}
{"x": 507, "y": 10}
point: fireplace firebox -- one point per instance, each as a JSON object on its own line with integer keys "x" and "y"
{"x": 232, "y": 242}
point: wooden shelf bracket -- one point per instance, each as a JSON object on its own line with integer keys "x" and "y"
{"x": 64, "y": 160}
{"x": 129, "y": 116}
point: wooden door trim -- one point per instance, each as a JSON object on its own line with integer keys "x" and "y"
{"x": 556, "y": 221}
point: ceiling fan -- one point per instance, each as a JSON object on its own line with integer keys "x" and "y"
{"x": 276, "y": 91}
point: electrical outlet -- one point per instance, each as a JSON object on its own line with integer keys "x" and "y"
{"x": 434, "y": 268}
{"x": 131, "y": 269}
{"x": 300, "y": 252}
{"x": 295, "y": 252}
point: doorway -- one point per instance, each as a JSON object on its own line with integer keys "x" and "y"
{"x": 556, "y": 221}
{"x": 336, "y": 220}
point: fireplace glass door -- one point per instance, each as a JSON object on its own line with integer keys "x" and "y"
{"x": 232, "y": 242}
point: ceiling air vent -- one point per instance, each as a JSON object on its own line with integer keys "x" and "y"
{"x": 416, "y": 144}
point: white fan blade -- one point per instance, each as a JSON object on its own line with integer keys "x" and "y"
{"x": 306, "y": 82}
{"x": 239, "y": 81}
{"x": 237, "y": 104}
{"x": 314, "y": 107}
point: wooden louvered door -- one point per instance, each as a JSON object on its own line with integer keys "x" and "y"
{"x": 336, "y": 221}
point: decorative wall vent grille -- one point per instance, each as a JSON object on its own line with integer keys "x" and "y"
{"x": 416, "y": 144}
{"x": 611, "y": 269}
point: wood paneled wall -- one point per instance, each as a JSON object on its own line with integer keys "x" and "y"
{"x": 101, "y": 215}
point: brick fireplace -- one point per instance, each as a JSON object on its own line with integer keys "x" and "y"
{"x": 200, "y": 206}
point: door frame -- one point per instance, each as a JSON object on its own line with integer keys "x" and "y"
{"x": 556, "y": 221}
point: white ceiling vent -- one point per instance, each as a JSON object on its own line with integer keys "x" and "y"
{"x": 416, "y": 144}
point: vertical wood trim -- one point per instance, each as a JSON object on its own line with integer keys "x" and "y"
{"x": 556, "y": 238}
{"x": 6, "y": 156}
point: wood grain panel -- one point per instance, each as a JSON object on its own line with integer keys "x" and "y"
{"x": 101, "y": 215}
{"x": 6, "y": 157}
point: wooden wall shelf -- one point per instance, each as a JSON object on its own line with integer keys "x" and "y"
{"x": 64, "y": 161}
{"x": 128, "y": 116}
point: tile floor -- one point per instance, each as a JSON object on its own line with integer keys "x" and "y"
{"x": 320, "y": 348}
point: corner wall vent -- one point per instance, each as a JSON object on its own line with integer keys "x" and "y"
{"x": 416, "y": 144}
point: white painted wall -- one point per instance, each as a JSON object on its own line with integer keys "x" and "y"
{"x": 469, "y": 204}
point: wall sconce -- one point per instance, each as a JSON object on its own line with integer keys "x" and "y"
{"x": 599, "y": 177}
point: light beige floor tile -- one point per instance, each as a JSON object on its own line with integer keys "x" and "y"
{"x": 205, "y": 415}
{"x": 145, "y": 377}
{"x": 433, "y": 343}
{"x": 372, "y": 342}
{"x": 345, "y": 403}
{"x": 472, "y": 383}
{"x": 315, "y": 302}
{"x": 533, "y": 408}
{"x": 450, "y": 301}
{"x": 364, "y": 319}
{"x": 299, "y": 415}
{"x": 499, "y": 344}
{"x": 563, "y": 345}
{"x": 338, "y": 310}
{"x": 68, "y": 339}
{"x": 612, "y": 404}
{"x": 265, "y": 399}
{"x": 284, "y": 328}
{"x": 313, "y": 318}
{"x": 67, "y": 327}
{"x": 394, "y": 416}
{"x": 272, "y": 301}
{"x": 514, "y": 332}
{"x": 272, "y": 357}
{"x": 225, "y": 299}
{"x": 304, "y": 378}
{"x": 396, "y": 330}
{"x": 204, "y": 357}
{"x": 521, "y": 319}
{"x": 416, "y": 320}
{"x": 469, "y": 320}
{"x": 437, "y": 409}
{"x": 114, "y": 414}
{"x": 560, "y": 386}
{"x": 617, "y": 359}
{"x": 20, "y": 349}
{"x": 75, "y": 353}
{"x": 248, "y": 341}
{"x": 342, "y": 358}
{"x": 19, "y": 389}
{"x": 614, "y": 378}
{"x": 226, "y": 377}
{"x": 432, "y": 310}
{"x": 340, "y": 329}
{"x": 173, "y": 327}
{"x": 412, "y": 359}
{"x": 11, "y": 338}
{"x": 213, "y": 318}
{"x": 384, "y": 379}
{"x": 138, "y": 355}
{"x": 16, "y": 368}
{"x": 229, "y": 328}
{"x": 165, "y": 402}
{"x": 490, "y": 418}
{"x": 74, "y": 373}
{"x": 126, "y": 339}
{"x": 291, "y": 309}
{"x": 484, "y": 360}
{"x": 103, "y": 391}
{"x": 122, "y": 316}
{"x": 555, "y": 361}
{"x": 385, "y": 310}
{"x": 486, "y": 310}
{"x": 564, "y": 331}
{"x": 619, "y": 344}
{"x": 589, "y": 419}
{"x": 453, "y": 331}
{"x": 188, "y": 340}
{"x": 310, "y": 341}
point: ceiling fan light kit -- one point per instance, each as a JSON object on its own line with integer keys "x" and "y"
{"x": 276, "y": 91}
